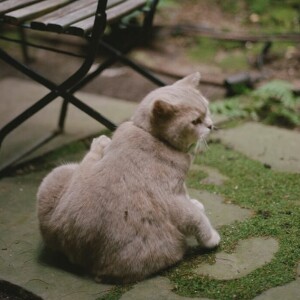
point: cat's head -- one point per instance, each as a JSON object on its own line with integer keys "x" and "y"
{"x": 177, "y": 114}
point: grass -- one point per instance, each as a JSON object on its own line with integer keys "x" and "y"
{"x": 167, "y": 3}
{"x": 234, "y": 62}
{"x": 274, "y": 16}
{"x": 280, "y": 19}
{"x": 233, "y": 56}
{"x": 229, "y": 56}
{"x": 116, "y": 293}
{"x": 274, "y": 197}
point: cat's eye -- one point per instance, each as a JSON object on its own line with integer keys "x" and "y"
{"x": 197, "y": 121}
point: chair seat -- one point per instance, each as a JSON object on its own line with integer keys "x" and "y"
{"x": 74, "y": 17}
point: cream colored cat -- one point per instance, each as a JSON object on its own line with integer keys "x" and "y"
{"x": 123, "y": 213}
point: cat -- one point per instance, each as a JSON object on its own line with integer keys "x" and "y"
{"x": 123, "y": 212}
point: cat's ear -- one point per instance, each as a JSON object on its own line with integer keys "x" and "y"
{"x": 162, "y": 109}
{"x": 192, "y": 80}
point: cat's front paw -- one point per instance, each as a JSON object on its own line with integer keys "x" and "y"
{"x": 198, "y": 204}
{"x": 213, "y": 241}
{"x": 99, "y": 144}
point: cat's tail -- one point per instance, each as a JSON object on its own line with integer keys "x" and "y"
{"x": 51, "y": 190}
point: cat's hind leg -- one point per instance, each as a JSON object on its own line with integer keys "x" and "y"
{"x": 49, "y": 195}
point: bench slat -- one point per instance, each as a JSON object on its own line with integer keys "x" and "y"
{"x": 70, "y": 16}
{"x": 58, "y": 20}
{"x": 7, "y": 6}
{"x": 34, "y": 10}
{"x": 113, "y": 14}
{"x": 67, "y": 9}
{"x": 60, "y": 24}
{"x": 120, "y": 11}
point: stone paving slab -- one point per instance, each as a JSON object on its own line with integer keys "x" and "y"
{"x": 290, "y": 291}
{"x": 23, "y": 260}
{"x": 219, "y": 212}
{"x": 248, "y": 255}
{"x": 158, "y": 288}
{"x": 213, "y": 175}
{"x": 17, "y": 95}
{"x": 277, "y": 147}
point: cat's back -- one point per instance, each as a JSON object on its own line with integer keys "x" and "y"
{"x": 136, "y": 153}
{"x": 136, "y": 170}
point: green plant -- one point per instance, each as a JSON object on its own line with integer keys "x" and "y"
{"x": 258, "y": 6}
{"x": 281, "y": 18}
{"x": 273, "y": 103}
{"x": 167, "y": 3}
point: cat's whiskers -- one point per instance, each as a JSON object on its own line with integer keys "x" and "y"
{"x": 205, "y": 143}
{"x": 197, "y": 148}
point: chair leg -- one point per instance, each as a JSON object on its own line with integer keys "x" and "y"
{"x": 132, "y": 64}
{"x": 148, "y": 21}
{"x": 79, "y": 85}
{"x": 89, "y": 111}
{"x": 24, "y": 47}
{"x": 62, "y": 116}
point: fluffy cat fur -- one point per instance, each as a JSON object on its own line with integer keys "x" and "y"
{"x": 123, "y": 213}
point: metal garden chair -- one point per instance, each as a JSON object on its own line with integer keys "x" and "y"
{"x": 85, "y": 18}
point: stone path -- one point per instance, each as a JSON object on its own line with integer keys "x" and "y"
{"x": 219, "y": 212}
{"x": 290, "y": 291}
{"x": 158, "y": 288}
{"x": 213, "y": 175}
{"x": 279, "y": 148}
{"x": 24, "y": 262}
{"x": 248, "y": 255}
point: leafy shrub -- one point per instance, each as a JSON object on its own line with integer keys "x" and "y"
{"x": 273, "y": 103}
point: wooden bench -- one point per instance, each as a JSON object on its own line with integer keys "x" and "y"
{"x": 84, "y": 18}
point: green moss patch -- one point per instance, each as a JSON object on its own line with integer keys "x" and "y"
{"x": 225, "y": 55}
{"x": 275, "y": 198}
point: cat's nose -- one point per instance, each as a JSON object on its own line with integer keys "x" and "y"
{"x": 210, "y": 127}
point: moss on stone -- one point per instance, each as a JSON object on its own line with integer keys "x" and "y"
{"x": 275, "y": 199}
